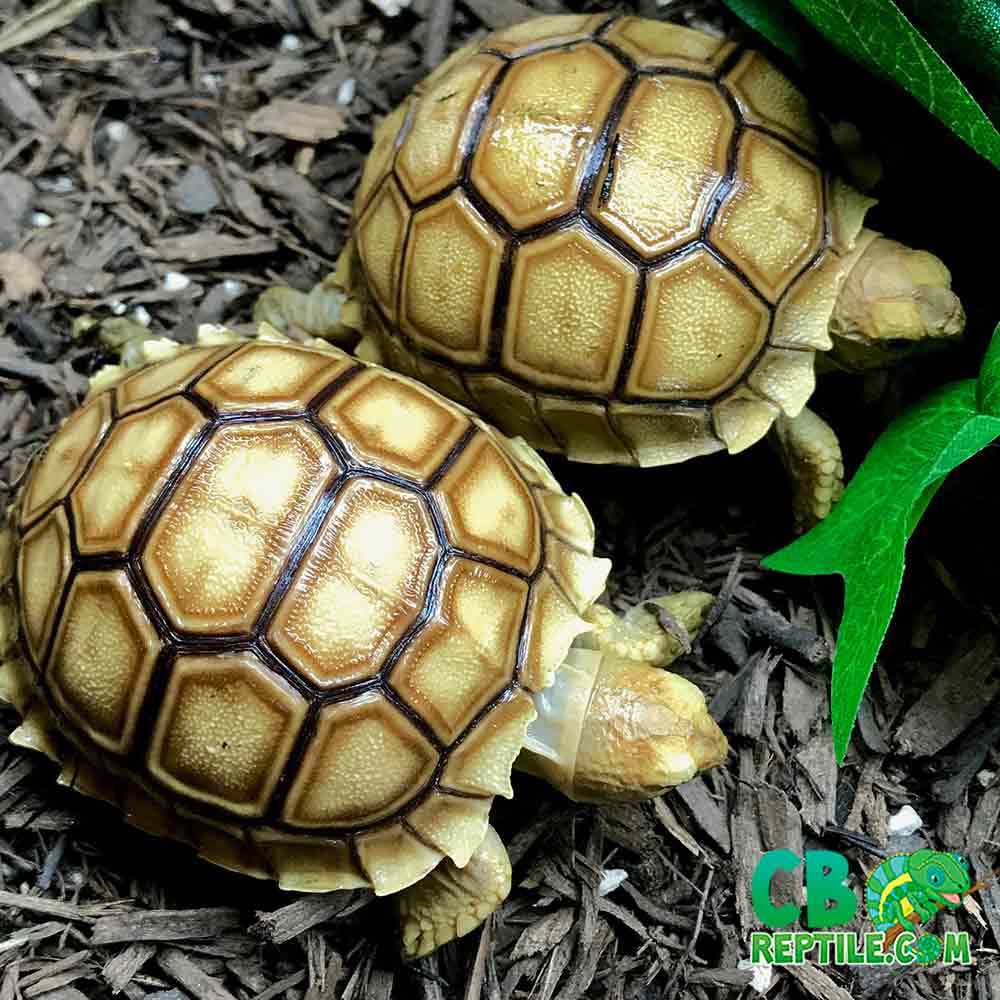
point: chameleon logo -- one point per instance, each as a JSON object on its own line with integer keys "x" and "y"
{"x": 906, "y": 891}
{"x": 902, "y": 895}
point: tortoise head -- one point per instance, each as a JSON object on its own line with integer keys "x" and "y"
{"x": 945, "y": 876}
{"x": 894, "y": 300}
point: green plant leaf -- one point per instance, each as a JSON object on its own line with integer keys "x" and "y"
{"x": 879, "y": 35}
{"x": 965, "y": 32}
{"x": 864, "y": 538}
{"x": 777, "y": 21}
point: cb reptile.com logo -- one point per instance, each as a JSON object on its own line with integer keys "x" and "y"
{"x": 902, "y": 896}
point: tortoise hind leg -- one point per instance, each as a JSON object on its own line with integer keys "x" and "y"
{"x": 453, "y": 901}
{"x": 811, "y": 454}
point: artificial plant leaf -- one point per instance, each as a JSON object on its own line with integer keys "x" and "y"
{"x": 864, "y": 537}
{"x": 879, "y": 35}
{"x": 777, "y": 21}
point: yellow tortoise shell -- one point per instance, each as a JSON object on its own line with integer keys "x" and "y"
{"x": 291, "y": 608}
{"x": 615, "y": 237}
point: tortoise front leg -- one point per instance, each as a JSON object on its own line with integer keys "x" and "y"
{"x": 453, "y": 901}
{"x": 811, "y": 453}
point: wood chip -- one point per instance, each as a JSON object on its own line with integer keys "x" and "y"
{"x": 298, "y": 121}
{"x": 192, "y": 977}
{"x": 165, "y": 925}
{"x": 195, "y": 248}
{"x": 945, "y": 709}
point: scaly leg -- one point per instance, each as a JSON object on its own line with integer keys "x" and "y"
{"x": 811, "y": 453}
{"x": 453, "y": 901}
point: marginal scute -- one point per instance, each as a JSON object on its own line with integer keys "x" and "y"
{"x": 64, "y": 459}
{"x": 701, "y": 329}
{"x": 395, "y": 424}
{"x": 151, "y": 384}
{"x": 542, "y": 125}
{"x": 465, "y": 655}
{"x": 449, "y": 280}
{"x": 570, "y": 306}
{"x": 129, "y": 473}
{"x": 445, "y": 380}
{"x": 511, "y": 409}
{"x": 743, "y": 418}
{"x": 802, "y": 319}
{"x": 848, "y": 208}
{"x": 393, "y": 859}
{"x": 365, "y": 761}
{"x": 768, "y": 98}
{"x": 383, "y": 151}
{"x": 786, "y": 378}
{"x": 225, "y": 730}
{"x": 454, "y": 824}
{"x": 270, "y": 377}
{"x": 380, "y": 235}
{"x": 583, "y": 426}
{"x": 772, "y": 222}
{"x": 103, "y": 658}
{"x": 230, "y": 851}
{"x": 488, "y": 507}
{"x": 531, "y": 465}
{"x": 216, "y": 551}
{"x": 660, "y": 45}
{"x": 42, "y": 568}
{"x": 481, "y": 763}
{"x": 553, "y": 624}
{"x": 314, "y": 866}
{"x": 659, "y": 435}
{"x": 568, "y": 517}
{"x": 430, "y": 157}
{"x": 664, "y": 164}
{"x": 539, "y": 32}
{"x": 580, "y": 575}
{"x": 361, "y": 586}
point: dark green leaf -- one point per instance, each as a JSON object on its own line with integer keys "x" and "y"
{"x": 878, "y": 34}
{"x": 864, "y": 538}
{"x": 777, "y": 21}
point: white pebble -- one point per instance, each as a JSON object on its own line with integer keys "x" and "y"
{"x": 57, "y": 185}
{"x": 41, "y": 220}
{"x": 985, "y": 777}
{"x": 174, "y": 281}
{"x": 212, "y": 82}
{"x": 611, "y": 878}
{"x": 347, "y": 90}
{"x": 391, "y": 8}
{"x": 116, "y": 131}
{"x": 762, "y": 977}
{"x": 232, "y": 288}
{"x": 119, "y": 308}
{"x": 290, "y": 43}
{"x": 142, "y": 315}
{"x": 905, "y": 822}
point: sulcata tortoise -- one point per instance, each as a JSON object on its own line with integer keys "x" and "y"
{"x": 304, "y": 614}
{"x": 622, "y": 240}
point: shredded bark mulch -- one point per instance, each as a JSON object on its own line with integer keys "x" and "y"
{"x": 163, "y": 161}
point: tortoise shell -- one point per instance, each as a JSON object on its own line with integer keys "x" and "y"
{"x": 291, "y": 608}
{"x": 613, "y": 236}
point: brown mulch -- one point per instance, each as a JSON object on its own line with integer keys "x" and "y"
{"x": 161, "y": 162}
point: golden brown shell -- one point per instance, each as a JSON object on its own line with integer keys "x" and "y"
{"x": 613, "y": 236}
{"x": 292, "y": 608}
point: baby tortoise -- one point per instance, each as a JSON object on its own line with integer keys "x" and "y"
{"x": 623, "y": 241}
{"x": 305, "y": 614}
